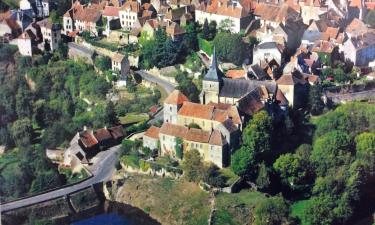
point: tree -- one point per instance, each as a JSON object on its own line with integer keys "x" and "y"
{"x": 370, "y": 18}
{"x": 365, "y": 150}
{"x": 212, "y": 176}
{"x": 243, "y": 161}
{"x": 226, "y": 25}
{"x": 339, "y": 75}
{"x": 190, "y": 41}
{"x": 103, "y": 63}
{"x": 205, "y": 30}
{"x": 110, "y": 114}
{"x": 22, "y": 132}
{"x": 319, "y": 211}
{"x": 192, "y": 165}
{"x": 330, "y": 151}
{"x": 172, "y": 50}
{"x": 271, "y": 211}
{"x": 256, "y": 145}
{"x": 294, "y": 169}
{"x": 257, "y": 134}
{"x": 23, "y": 102}
{"x": 212, "y": 30}
{"x": 179, "y": 149}
{"x": 230, "y": 47}
{"x": 316, "y": 104}
{"x": 263, "y": 179}
{"x": 45, "y": 180}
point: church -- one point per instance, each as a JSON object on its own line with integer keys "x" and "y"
{"x": 249, "y": 96}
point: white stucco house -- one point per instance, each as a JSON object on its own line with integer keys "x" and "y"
{"x": 266, "y": 51}
{"x": 360, "y": 50}
{"x": 224, "y": 11}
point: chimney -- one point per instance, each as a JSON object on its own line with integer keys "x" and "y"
{"x": 186, "y": 9}
{"x": 85, "y": 128}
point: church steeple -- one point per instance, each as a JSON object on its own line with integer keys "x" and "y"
{"x": 214, "y": 73}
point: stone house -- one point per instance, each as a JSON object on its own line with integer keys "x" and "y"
{"x": 112, "y": 19}
{"x": 224, "y": 10}
{"x": 293, "y": 86}
{"x": 120, "y": 64}
{"x": 271, "y": 15}
{"x": 174, "y": 31}
{"x": 311, "y": 9}
{"x": 361, "y": 49}
{"x": 151, "y": 138}
{"x": 87, "y": 143}
{"x": 172, "y": 104}
{"x": 211, "y": 145}
{"x": 89, "y": 19}
{"x": 9, "y": 28}
{"x": 267, "y": 51}
{"x": 51, "y": 33}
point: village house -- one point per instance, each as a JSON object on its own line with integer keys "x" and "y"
{"x": 111, "y": 16}
{"x": 51, "y": 34}
{"x": 182, "y": 15}
{"x": 9, "y": 28}
{"x": 175, "y": 31}
{"x": 311, "y": 9}
{"x": 41, "y": 35}
{"x": 289, "y": 33}
{"x": 294, "y": 87}
{"x": 224, "y": 11}
{"x": 69, "y": 17}
{"x": 87, "y": 143}
{"x": 121, "y": 66}
{"x": 89, "y": 19}
{"x": 270, "y": 15}
{"x": 360, "y": 49}
{"x": 134, "y": 15}
{"x": 210, "y": 144}
{"x": 266, "y": 51}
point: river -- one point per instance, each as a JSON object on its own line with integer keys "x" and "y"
{"x": 112, "y": 213}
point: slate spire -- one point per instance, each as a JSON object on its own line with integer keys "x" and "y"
{"x": 214, "y": 73}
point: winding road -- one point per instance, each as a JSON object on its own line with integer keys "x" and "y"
{"x": 102, "y": 170}
{"x": 167, "y": 86}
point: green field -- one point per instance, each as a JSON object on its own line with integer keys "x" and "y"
{"x": 133, "y": 118}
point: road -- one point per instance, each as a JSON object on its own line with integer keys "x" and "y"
{"x": 167, "y": 86}
{"x": 101, "y": 170}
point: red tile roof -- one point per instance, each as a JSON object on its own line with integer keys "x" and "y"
{"x": 191, "y": 109}
{"x": 236, "y": 74}
{"x": 153, "y": 132}
{"x": 225, "y": 8}
{"x": 102, "y": 134}
{"x": 173, "y": 130}
{"x": 88, "y": 139}
{"x": 111, "y": 11}
{"x": 176, "y": 98}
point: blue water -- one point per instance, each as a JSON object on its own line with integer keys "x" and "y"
{"x": 105, "y": 219}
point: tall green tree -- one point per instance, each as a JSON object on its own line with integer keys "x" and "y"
{"x": 230, "y": 47}
{"x": 22, "y": 132}
{"x": 190, "y": 40}
{"x": 205, "y": 30}
{"x": 263, "y": 180}
{"x": 271, "y": 211}
{"x": 316, "y": 104}
{"x": 192, "y": 165}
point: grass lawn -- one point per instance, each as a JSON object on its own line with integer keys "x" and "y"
{"x": 205, "y": 46}
{"x": 133, "y": 118}
{"x": 167, "y": 200}
{"x": 130, "y": 160}
{"x": 297, "y": 210}
{"x": 233, "y": 209}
